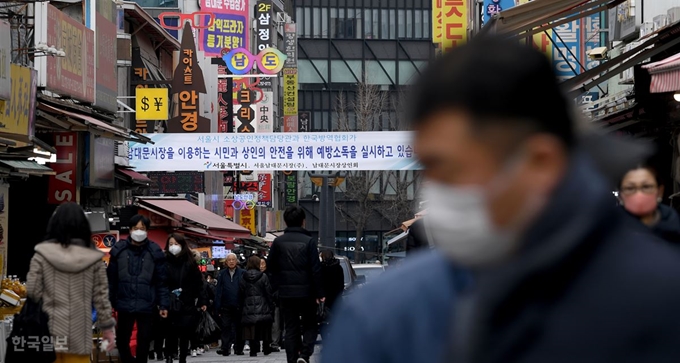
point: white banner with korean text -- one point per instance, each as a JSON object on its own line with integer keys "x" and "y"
{"x": 385, "y": 150}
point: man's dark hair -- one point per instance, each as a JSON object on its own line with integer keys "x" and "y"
{"x": 498, "y": 83}
{"x": 140, "y": 218}
{"x": 294, "y": 216}
{"x": 68, "y": 224}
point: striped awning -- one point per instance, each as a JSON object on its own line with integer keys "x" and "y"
{"x": 665, "y": 75}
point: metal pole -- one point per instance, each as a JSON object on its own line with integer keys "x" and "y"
{"x": 324, "y": 226}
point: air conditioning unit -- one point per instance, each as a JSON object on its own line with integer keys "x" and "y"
{"x": 674, "y": 15}
{"x": 121, "y": 149}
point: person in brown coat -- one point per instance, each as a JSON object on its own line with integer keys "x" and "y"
{"x": 67, "y": 273}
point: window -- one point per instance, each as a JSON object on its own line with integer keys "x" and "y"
{"x": 401, "y": 23}
{"x": 307, "y": 32}
{"x": 359, "y": 24}
{"x": 376, "y": 75}
{"x": 334, "y": 23}
{"x": 340, "y": 73}
{"x": 367, "y": 24}
{"x": 316, "y": 20}
{"x": 324, "y": 23}
{"x": 407, "y": 72}
{"x": 409, "y": 24}
{"x": 376, "y": 24}
{"x": 299, "y": 17}
{"x": 384, "y": 19}
{"x": 393, "y": 23}
{"x": 419, "y": 24}
{"x": 426, "y": 24}
{"x": 307, "y": 73}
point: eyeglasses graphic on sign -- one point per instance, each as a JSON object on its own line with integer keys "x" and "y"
{"x": 198, "y": 20}
{"x": 243, "y": 201}
{"x": 240, "y": 61}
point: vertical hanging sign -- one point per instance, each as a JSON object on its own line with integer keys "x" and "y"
{"x": 290, "y": 81}
{"x": 187, "y": 83}
{"x": 265, "y": 33}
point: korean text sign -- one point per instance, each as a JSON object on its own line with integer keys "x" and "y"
{"x": 106, "y": 55}
{"x": 247, "y": 219}
{"x": 275, "y": 151}
{"x": 290, "y": 45}
{"x": 187, "y": 83}
{"x": 542, "y": 41}
{"x": 64, "y": 185}
{"x": 229, "y": 28}
{"x": 265, "y": 114}
{"x": 290, "y": 92}
{"x": 572, "y": 41}
{"x": 265, "y": 32}
{"x": 72, "y": 75}
{"x": 450, "y": 23}
{"x": 20, "y": 109}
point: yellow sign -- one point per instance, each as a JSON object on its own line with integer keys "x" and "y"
{"x": 437, "y": 18}
{"x": 18, "y": 116}
{"x": 19, "y": 110}
{"x": 290, "y": 92}
{"x": 151, "y": 104}
{"x": 541, "y": 40}
{"x": 247, "y": 219}
{"x": 271, "y": 62}
{"x": 453, "y": 23}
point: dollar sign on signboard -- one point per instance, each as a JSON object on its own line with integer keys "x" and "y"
{"x": 145, "y": 103}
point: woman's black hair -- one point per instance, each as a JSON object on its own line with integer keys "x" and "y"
{"x": 68, "y": 224}
{"x": 253, "y": 263}
{"x": 185, "y": 253}
{"x": 327, "y": 255}
{"x": 647, "y": 167}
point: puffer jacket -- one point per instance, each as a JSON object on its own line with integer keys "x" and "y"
{"x": 69, "y": 281}
{"x": 184, "y": 273}
{"x": 137, "y": 275}
{"x": 256, "y": 298}
{"x": 294, "y": 264}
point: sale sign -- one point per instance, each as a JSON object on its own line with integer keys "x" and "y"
{"x": 63, "y": 185}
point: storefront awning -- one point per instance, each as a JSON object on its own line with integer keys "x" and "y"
{"x": 131, "y": 176}
{"x": 161, "y": 38}
{"x": 191, "y": 215}
{"x": 650, "y": 46}
{"x": 26, "y": 167}
{"x": 540, "y": 15}
{"x": 398, "y": 238}
{"x": 665, "y": 75}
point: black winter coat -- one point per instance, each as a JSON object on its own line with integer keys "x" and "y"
{"x": 294, "y": 264}
{"x": 333, "y": 281}
{"x": 136, "y": 277}
{"x": 257, "y": 304}
{"x": 184, "y": 273}
{"x": 668, "y": 226}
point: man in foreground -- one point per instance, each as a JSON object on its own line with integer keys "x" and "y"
{"x": 532, "y": 260}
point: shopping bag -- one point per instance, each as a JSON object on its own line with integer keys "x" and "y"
{"x": 207, "y": 330}
{"x": 30, "y": 324}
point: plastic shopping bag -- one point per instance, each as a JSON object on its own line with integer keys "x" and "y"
{"x": 207, "y": 330}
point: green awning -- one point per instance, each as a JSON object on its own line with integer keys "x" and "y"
{"x": 28, "y": 167}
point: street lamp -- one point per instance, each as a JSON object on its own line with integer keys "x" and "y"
{"x": 327, "y": 183}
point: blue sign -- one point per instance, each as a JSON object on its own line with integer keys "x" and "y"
{"x": 492, "y": 7}
{"x": 573, "y": 40}
{"x": 109, "y": 240}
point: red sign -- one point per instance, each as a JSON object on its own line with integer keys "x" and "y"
{"x": 105, "y": 240}
{"x": 107, "y": 71}
{"x": 72, "y": 75}
{"x": 264, "y": 196}
{"x": 63, "y": 186}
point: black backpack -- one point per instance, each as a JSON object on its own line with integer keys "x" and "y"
{"x": 30, "y": 324}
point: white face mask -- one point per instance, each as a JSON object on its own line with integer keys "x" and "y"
{"x": 459, "y": 224}
{"x": 175, "y": 249}
{"x": 138, "y": 235}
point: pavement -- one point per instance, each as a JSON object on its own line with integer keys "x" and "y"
{"x": 212, "y": 357}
